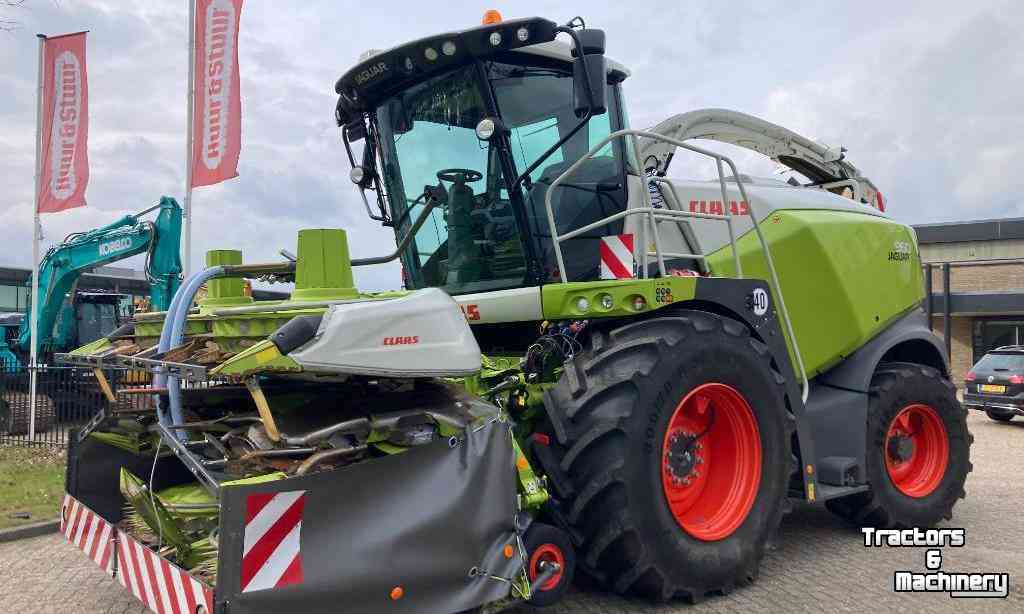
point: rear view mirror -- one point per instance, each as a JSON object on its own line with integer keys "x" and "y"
{"x": 401, "y": 120}
{"x": 590, "y": 84}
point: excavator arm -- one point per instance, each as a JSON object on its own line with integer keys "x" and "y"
{"x": 826, "y": 167}
{"x": 79, "y": 253}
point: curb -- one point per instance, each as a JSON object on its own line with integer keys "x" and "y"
{"x": 30, "y": 530}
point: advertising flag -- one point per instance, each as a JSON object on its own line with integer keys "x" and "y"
{"x": 64, "y": 168}
{"x": 217, "y": 110}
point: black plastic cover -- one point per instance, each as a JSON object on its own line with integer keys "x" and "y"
{"x": 420, "y": 520}
{"x": 295, "y": 333}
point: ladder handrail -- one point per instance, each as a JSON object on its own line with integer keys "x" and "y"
{"x": 652, "y": 216}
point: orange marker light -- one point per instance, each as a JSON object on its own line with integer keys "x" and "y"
{"x": 491, "y": 16}
{"x": 509, "y": 551}
{"x": 522, "y": 463}
{"x": 397, "y": 593}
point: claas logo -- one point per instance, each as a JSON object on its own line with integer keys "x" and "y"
{"x": 401, "y": 340}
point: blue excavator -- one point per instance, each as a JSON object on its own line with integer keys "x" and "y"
{"x": 67, "y": 318}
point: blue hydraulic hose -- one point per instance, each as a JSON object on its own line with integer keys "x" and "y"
{"x": 171, "y": 335}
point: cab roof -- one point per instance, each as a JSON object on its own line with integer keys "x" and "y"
{"x": 381, "y": 74}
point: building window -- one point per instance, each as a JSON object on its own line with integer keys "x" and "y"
{"x": 990, "y": 333}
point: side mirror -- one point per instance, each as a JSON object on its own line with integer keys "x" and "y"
{"x": 590, "y": 84}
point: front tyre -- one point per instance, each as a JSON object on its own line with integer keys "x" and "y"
{"x": 918, "y": 453}
{"x": 675, "y": 435}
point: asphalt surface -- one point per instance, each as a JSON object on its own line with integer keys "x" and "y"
{"x": 818, "y": 564}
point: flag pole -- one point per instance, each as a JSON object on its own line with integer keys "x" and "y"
{"x": 36, "y": 231}
{"x": 187, "y": 213}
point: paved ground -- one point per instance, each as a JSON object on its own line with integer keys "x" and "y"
{"x": 818, "y": 565}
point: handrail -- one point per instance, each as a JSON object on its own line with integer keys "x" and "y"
{"x": 652, "y": 218}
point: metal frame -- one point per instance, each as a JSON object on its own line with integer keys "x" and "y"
{"x": 654, "y": 216}
{"x": 177, "y": 369}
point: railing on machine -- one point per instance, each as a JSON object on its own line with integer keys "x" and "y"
{"x": 652, "y": 217}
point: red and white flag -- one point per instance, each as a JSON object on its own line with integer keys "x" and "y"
{"x": 65, "y": 126}
{"x": 217, "y": 107}
{"x": 271, "y": 555}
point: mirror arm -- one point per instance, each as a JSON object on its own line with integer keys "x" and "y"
{"x": 583, "y": 122}
{"x": 348, "y": 147}
{"x": 406, "y": 240}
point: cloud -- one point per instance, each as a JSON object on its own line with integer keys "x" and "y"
{"x": 926, "y": 97}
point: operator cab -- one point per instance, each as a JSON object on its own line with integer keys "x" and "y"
{"x": 481, "y": 122}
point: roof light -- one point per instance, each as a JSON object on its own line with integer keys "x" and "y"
{"x": 430, "y": 53}
{"x": 448, "y": 48}
{"x": 491, "y": 16}
{"x": 523, "y": 35}
{"x": 495, "y": 38}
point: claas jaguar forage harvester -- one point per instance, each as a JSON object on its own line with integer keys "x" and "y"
{"x": 593, "y": 367}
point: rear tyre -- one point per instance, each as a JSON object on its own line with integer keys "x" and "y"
{"x": 656, "y": 514}
{"x": 546, "y": 544}
{"x": 999, "y": 416}
{"x": 918, "y": 453}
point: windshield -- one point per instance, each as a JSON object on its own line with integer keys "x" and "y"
{"x": 536, "y": 104}
{"x": 471, "y": 243}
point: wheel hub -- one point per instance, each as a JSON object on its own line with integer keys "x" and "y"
{"x": 901, "y": 448}
{"x": 681, "y": 457}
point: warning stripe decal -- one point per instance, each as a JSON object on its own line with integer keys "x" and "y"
{"x": 88, "y": 532}
{"x": 617, "y": 257}
{"x": 271, "y": 556}
{"x": 162, "y": 586}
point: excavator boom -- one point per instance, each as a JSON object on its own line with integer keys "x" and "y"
{"x": 79, "y": 253}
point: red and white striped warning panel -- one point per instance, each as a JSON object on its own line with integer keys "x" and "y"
{"x": 90, "y": 533}
{"x": 163, "y": 587}
{"x": 271, "y": 557}
{"x": 617, "y": 257}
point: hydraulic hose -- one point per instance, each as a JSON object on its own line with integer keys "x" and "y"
{"x": 171, "y": 335}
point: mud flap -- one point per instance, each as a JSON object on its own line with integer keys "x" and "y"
{"x": 421, "y": 531}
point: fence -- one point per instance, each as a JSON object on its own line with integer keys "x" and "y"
{"x": 67, "y": 398}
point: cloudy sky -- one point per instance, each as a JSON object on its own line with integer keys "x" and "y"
{"x": 928, "y": 97}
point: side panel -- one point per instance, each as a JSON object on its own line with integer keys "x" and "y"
{"x": 844, "y": 276}
{"x": 516, "y": 305}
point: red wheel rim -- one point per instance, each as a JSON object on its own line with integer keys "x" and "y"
{"x": 547, "y": 553}
{"x": 916, "y": 450}
{"x": 713, "y": 493}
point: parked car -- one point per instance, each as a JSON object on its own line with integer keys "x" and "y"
{"x": 995, "y": 385}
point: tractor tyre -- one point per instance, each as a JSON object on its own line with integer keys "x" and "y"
{"x": 675, "y": 435}
{"x": 999, "y": 416}
{"x": 918, "y": 453}
{"x": 16, "y": 412}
